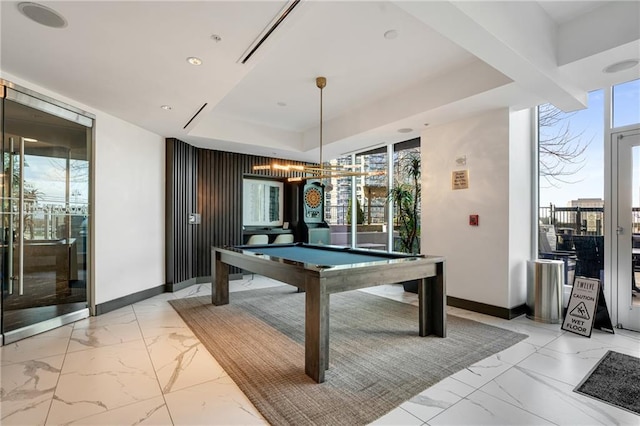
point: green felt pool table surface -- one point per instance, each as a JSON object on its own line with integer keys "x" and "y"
{"x": 325, "y": 256}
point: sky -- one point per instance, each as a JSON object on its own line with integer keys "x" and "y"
{"x": 589, "y": 181}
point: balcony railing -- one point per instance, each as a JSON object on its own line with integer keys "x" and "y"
{"x": 337, "y": 215}
{"x": 581, "y": 220}
{"x": 567, "y": 220}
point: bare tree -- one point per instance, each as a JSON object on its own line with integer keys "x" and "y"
{"x": 562, "y": 152}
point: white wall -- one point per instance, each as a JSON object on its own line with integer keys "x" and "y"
{"x": 484, "y": 263}
{"x": 520, "y": 204}
{"x": 130, "y": 206}
{"x": 129, "y": 203}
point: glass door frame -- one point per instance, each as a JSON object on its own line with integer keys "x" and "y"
{"x": 620, "y": 260}
{"x": 15, "y": 93}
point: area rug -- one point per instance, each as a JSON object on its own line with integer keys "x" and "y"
{"x": 614, "y": 380}
{"x": 377, "y": 360}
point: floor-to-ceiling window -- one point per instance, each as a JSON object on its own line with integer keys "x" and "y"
{"x": 383, "y": 208}
{"x": 46, "y": 152}
{"x": 371, "y": 198}
{"x": 571, "y": 187}
{"x": 572, "y": 179}
{"x": 406, "y": 196}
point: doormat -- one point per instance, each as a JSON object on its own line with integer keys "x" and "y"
{"x": 614, "y": 380}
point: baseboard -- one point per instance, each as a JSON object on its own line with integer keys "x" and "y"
{"x": 173, "y": 287}
{"x": 483, "y": 308}
{"x": 112, "y": 305}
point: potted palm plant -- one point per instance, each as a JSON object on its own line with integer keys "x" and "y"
{"x": 405, "y": 196}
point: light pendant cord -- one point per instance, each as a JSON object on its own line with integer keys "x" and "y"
{"x": 321, "y": 82}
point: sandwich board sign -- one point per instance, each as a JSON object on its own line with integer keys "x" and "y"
{"x": 583, "y": 303}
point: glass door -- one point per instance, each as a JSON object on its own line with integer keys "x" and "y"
{"x": 628, "y": 228}
{"x": 45, "y": 215}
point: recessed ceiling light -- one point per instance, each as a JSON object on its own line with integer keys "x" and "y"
{"x": 621, "y": 66}
{"x": 166, "y": 107}
{"x": 405, "y": 130}
{"x": 42, "y": 15}
{"x": 282, "y": 104}
{"x": 194, "y": 61}
{"x": 391, "y": 34}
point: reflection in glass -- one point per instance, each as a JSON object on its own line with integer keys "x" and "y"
{"x": 337, "y": 196}
{"x": 635, "y": 215}
{"x": 371, "y": 199}
{"x": 45, "y": 211}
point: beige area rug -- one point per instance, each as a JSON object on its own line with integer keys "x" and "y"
{"x": 377, "y": 359}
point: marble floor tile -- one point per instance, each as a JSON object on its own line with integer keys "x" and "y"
{"x": 101, "y": 379}
{"x": 538, "y": 336}
{"x": 194, "y": 291}
{"x": 142, "y": 364}
{"x": 154, "y": 304}
{"x": 26, "y": 390}
{"x": 480, "y": 408}
{"x": 120, "y": 316}
{"x": 157, "y": 323}
{"x": 53, "y": 342}
{"x": 218, "y": 402}
{"x": 569, "y": 368}
{"x": 518, "y": 352}
{"x": 437, "y": 398}
{"x": 622, "y": 342}
{"x": 180, "y": 361}
{"x": 152, "y": 412}
{"x": 554, "y": 400}
{"x": 482, "y": 372}
{"x": 104, "y": 330}
{"x": 397, "y": 417}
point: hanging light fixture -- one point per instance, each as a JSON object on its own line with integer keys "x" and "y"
{"x": 322, "y": 171}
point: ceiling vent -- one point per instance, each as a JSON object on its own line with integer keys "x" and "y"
{"x": 195, "y": 115}
{"x": 268, "y": 31}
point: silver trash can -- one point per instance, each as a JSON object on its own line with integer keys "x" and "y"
{"x": 544, "y": 290}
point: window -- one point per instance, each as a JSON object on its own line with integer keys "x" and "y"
{"x": 626, "y": 104}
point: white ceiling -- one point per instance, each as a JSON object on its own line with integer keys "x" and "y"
{"x": 449, "y": 59}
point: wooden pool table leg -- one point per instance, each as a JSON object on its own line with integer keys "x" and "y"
{"x": 432, "y": 295}
{"x": 316, "y": 337}
{"x": 220, "y": 282}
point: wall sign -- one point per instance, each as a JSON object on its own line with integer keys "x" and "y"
{"x": 582, "y": 306}
{"x": 460, "y": 179}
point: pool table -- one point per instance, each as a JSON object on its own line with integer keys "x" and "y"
{"x": 320, "y": 270}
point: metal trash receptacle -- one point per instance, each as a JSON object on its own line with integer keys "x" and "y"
{"x": 545, "y": 279}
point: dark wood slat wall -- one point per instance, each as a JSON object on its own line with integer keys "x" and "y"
{"x": 213, "y": 182}
{"x": 181, "y": 184}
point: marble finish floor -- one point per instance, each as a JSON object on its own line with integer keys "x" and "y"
{"x": 142, "y": 365}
